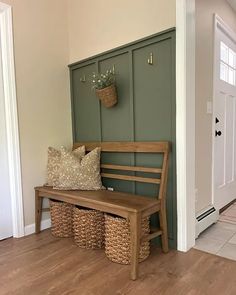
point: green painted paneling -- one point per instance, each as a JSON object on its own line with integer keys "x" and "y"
{"x": 145, "y": 109}
{"x": 116, "y": 122}
{"x": 119, "y": 159}
{"x": 85, "y": 106}
{"x": 154, "y": 109}
{"x": 152, "y": 92}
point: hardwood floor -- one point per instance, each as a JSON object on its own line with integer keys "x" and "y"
{"x": 42, "y": 264}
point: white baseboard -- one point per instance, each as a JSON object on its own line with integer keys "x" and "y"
{"x": 30, "y": 229}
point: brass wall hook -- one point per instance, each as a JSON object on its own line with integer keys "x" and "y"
{"x": 150, "y": 59}
{"x": 112, "y": 70}
{"x": 83, "y": 79}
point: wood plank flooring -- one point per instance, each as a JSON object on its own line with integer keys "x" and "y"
{"x": 42, "y": 264}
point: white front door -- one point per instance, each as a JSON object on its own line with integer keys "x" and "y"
{"x": 5, "y": 197}
{"x": 224, "y": 143}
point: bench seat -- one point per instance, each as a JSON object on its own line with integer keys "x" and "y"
{"x": 103, "y": 200}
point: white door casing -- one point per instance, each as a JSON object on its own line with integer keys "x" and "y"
{"x": 6, "y": 230}
{"x": 185, "y": 123}
{"x": 11, "y": 119}
{"x": 224, "y": 118}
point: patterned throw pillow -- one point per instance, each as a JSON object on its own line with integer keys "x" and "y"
{"x": 54, "y": 159}
{"x": 80, "y": 174}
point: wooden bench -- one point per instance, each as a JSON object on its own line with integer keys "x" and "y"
{"x": 130, "y": 206}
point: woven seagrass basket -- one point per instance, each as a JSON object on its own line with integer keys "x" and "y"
{"x": 61, "y": 219}
{"x": 89, "y": 228}
{"x": 108, "y": 96}
{"x": 117, "y": 239}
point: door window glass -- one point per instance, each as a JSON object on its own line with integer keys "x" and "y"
{"x": 227, "y": 64}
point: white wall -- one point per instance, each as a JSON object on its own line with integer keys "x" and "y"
{"x": 96, "y": 26}
{"x": 42, "y": 81}
{"x": 204, "y": 92}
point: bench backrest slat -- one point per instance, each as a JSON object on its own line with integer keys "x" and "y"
{"x": 131, "y": 178}
{"x": 131, "y": 168}
{"x": 127, "y": 147}
{"x": 134, "y": 147}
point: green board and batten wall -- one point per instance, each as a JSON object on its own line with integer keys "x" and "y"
{"x": 145, "y": 109}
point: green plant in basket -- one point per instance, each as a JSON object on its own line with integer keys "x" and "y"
{"x": 105, "y": 88}
{"x": 101, "y": 81}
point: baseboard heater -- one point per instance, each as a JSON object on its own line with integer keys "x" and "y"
{"x": 206, "y": 219}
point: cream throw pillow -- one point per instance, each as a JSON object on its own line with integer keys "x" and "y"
{"x": 80, "y": 174}
{"x": 54, "y": 160}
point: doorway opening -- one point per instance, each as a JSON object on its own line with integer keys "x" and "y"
{"x": 216, "y": 128}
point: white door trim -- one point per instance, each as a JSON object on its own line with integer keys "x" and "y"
{"x": 13, "y": 148}
{"x": 218, "y": 22}
{"x": 185, "y": 123}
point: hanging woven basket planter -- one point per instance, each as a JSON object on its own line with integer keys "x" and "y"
{"x": 107, "y": 96}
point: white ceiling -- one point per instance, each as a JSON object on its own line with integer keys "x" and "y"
{"x": 232, "y": 3}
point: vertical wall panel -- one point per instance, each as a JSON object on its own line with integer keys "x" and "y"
{"x": 85, "y": 106}
{"x": 154, "y": 110}
{"x": 152, "y": 92}
{"x": 145, "y": 110}
{"x": 116, "y": 121}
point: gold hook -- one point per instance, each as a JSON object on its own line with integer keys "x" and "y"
{"x": 150, "y": 59}
{"x": 83, "y": 79}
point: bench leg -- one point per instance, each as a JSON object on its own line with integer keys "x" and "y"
{"x": 163, "y": 226}
{"x": 38, "y": 211}
{"x": 135, "y": 231}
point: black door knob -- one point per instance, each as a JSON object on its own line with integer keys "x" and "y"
{"x": 218, "y": 133}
